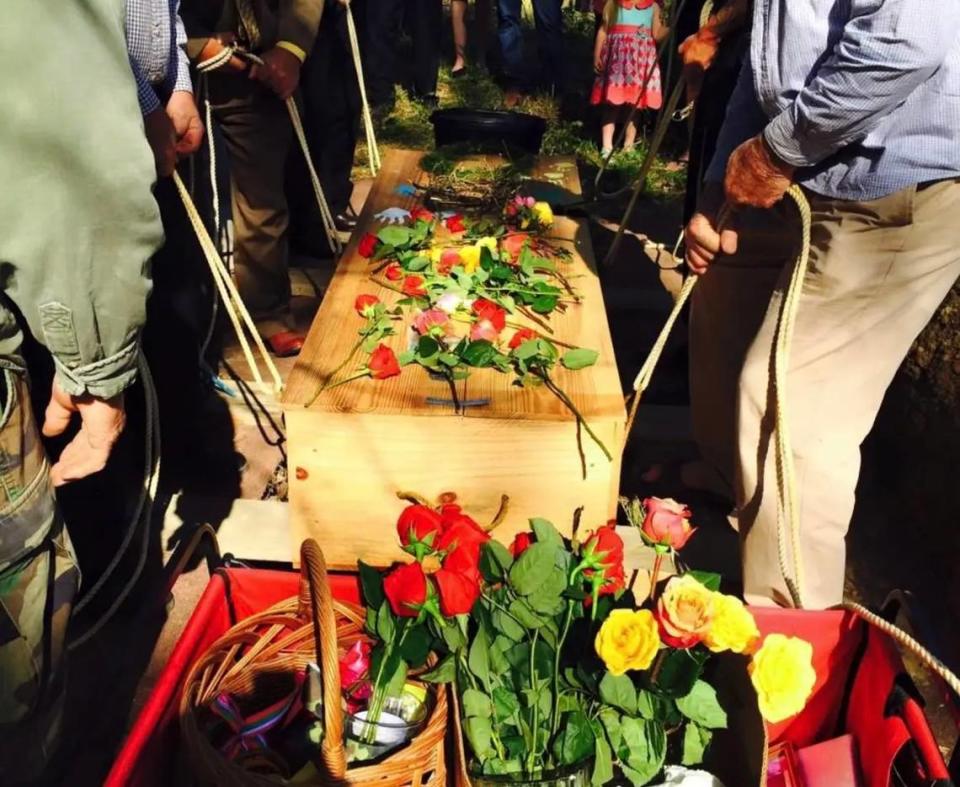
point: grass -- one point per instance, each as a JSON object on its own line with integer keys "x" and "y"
{"x": 572, "y": 130}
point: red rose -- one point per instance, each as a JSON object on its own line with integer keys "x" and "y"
{"x": 413, "y": 286}
{"x": 365, "y": 303}
{"x": 667, "y": 523}
{"x": 420, "y": 213}
{"x": 418, "y": 524}
{"x": 513, "y": 244}
{"x": 455, "y": 223}
{"x": 448, "y": 261}
{"x": 368, "y": 245}
{"x": 458, "y": 591}
{"x": 603, "y": 553}
{"x": 393, "y": 272}
{"x": 427, "y": 320}
{"x": 383, "y": 363}
{"x": 462, "y": 534}
{"x": 406, "y": 589}
{"x": 488, "y": 310}
{"x": 521, "y": 543}
{"x": 521, "y": 336}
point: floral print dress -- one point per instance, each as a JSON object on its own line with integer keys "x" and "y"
{"x": 631, "y": 74}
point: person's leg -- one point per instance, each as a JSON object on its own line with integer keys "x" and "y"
{"x": 548, "y": 17}
{"x": 458, "y": 20}
{"x": 608, "y": 127}
{"x": 383, "y": 29}
{"x": 257, "y": 131}
{"x": 630, "y": 130}
{"x": 427, "y": 32}
{"x": 38, "y": 584}
{"x": 511, "y": 40}
{"x": 878, "y": 272}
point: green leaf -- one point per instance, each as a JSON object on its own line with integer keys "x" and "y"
{"x": 695, "y": 742}
{"x": 619, "y": 691}
{"x": 580, "y": 358}
{"x": 575, "y": 740}
{"x": 371, "y": 621}
{"x": 444, "y": 672}
{"x": 602, "y": 761}
{"x": 508, "y": 626}
{"x": 505, "y": 703}
{"x": 610, "y": 720}
{"x": 371, "y": 581}
{"x": 395, "y": 236}
{"x": 479, "y": 657}
{"x": 416, "y": 645}
{"x": 702, "y": 706}
{"x": 478, "y": 354}
{"x": 645, "y": 705}
{"x": 546, "y": 533}
{"x": 417, "y": 264}
{"x": 642, "y": 750}
{"x": 708, "y": 579}
{"x": 480, "y": 734}
{"x": 547, "y": 350}
{"x": 544, "y": 304}
{"x": 453, "y": 636}
{"x": 679, "y": 671}
{"x": 476, "y": 703}
{"x": 528, "y": 571}
{"x": 522, "y": 612}
{"x": 548, "y": 599}
{"x": 406, "y": 357}
{"x": 527, "y": 349}
{"x": 449, "y": 359}
{"x": 427, "y": 347}
{"x": 495, "y": 561}
{"x": 386, "y": 627}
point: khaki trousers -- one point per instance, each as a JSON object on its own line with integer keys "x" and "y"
{"x": 878, "y": 271}
{"x": 257, "y": 132}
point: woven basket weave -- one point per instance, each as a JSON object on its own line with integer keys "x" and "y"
{"x": 267, "y": 650}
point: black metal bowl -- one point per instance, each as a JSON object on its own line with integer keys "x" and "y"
{"x": 488, "y": 128}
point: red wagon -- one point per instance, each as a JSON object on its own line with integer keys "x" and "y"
{"x": 862, "y": 689}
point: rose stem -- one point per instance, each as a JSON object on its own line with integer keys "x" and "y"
{"x": 413, "y": 497}
{"x": 344, "y": 362}
{"x": 573, "y": 408}
{"x": 577, "y": 516}
{"x": 533, "y": 317}
{"x": 501, "y": 512}
{"x": 331, "y": 386}
{"x": 532, "y": 757}
{"x": 654, "y": 576}
{"x": 453, "y": 393}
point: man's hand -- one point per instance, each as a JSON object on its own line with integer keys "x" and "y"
{"x": 163, "y": 141}
{"x": 216, "y": 45}
{"x": 704, "y": 240}
{"x": 755, "y": 176}
{"x": 182, "y": 111}
{"x": 698, "y": 52}
{"x": 280, "y": 71}
{"x": 102, "y": 421}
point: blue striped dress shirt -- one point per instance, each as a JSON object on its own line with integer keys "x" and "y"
{"x": 156, "y": 44}
{"x": 862, "y": 96}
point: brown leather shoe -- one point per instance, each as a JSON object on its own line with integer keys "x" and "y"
{"x": 285, "y": 344}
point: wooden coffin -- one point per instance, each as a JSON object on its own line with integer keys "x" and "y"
{"x": 357, "y": 445}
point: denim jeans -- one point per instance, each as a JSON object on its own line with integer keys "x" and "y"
{"x": 549, "y": 23}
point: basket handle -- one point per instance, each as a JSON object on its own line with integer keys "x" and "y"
{"x": 316, "y": 603}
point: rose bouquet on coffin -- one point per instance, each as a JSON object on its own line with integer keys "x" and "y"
{"x": 564, "y": 669}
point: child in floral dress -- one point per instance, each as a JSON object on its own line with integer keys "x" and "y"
{"x": 625, "y": 61}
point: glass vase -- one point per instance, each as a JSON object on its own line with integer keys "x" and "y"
{"x": 571, "y": 776}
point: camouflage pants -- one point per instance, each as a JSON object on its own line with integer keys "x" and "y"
{"x": 38, "y": 582}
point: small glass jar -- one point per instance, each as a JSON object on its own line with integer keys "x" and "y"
{"x": 401, "y": 719}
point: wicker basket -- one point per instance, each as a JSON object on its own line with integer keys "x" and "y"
{"x": 264, "y": 651}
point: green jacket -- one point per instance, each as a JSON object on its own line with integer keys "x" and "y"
{"x": 78, "y": 221}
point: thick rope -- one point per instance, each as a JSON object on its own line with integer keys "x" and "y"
{"x": 229, "y": 296}
{"x": 373, "y": 152}
{"x": 142, "y": 514}
{"x": 901, "y": 637}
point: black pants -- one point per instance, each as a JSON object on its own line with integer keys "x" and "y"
{"x": 424, "y": 19}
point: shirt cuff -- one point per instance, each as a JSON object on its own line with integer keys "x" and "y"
{"x": 796, "y": 149}
{"x": 148, "y": 98}
{"x": 103, "y": 379}
{"x": 182, "y": 81}
{"x": 293, "y": 49}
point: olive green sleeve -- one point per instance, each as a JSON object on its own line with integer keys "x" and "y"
{"x": 78, "y": 221}
{"x": 298, "y": 23}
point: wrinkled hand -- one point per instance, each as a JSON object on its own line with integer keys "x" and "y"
{"x": 216, "y": 45}
{"x": 755, "y": 176}
{"x": 182, "y": 111}
{"x": 704, "y": 240}
{"x": 102, "y": 421}
{"x": 698, "y": 52}
{"x": 163, "y": 141}
{"x": 280, "y": 71}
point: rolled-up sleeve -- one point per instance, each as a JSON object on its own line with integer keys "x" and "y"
{"x": 178, "y": 77}
{"x": 886, "y": 50}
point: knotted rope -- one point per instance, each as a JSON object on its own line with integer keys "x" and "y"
{"x": 373, "y": 152}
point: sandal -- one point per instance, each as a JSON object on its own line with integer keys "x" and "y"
{"x": 285, "y": 344}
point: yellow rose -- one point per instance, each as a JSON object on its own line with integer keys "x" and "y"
{"x": 685, "y": 611}
{"x": 489, "y": 243}
{"x": 628, "y": 640}
{"x": 436, "y": 252}
{"x": 524, "y": 223}
{"x": 733, "y": 626}
{"x": 471, "y": 258}
{"x": 782, "y": 673}
{"x": 544, "y": 213}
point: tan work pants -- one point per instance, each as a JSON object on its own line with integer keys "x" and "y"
{"x": 878, "y": 271}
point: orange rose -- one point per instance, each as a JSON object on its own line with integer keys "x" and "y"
{"x": 685, "y": 612}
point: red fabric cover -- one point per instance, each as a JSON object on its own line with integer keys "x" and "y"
{"x": 926, "y": 745}
{"x": 832, "y": 762}
{"x": 147, "y": 758}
